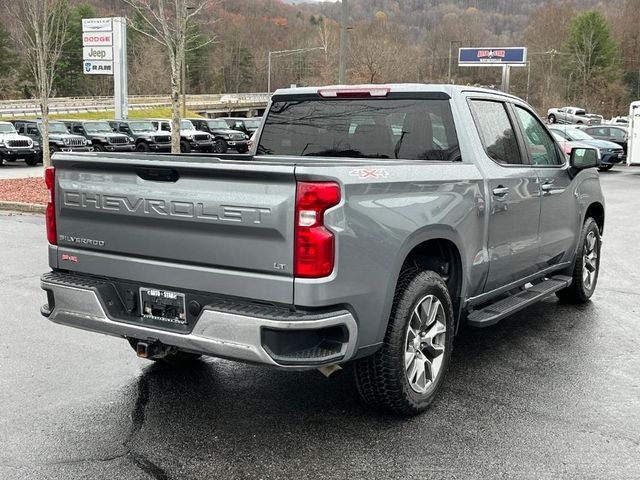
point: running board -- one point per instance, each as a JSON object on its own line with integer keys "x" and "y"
{"x": 495, "y": 312}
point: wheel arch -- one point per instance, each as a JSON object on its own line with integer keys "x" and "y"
{"x": 596, "y": 211}
{"x": 443, "y": 254}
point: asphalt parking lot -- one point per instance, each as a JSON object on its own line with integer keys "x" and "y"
{"x": 20, "y": 170}
{"x": 552, "y": 392}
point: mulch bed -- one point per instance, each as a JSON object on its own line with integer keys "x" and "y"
{"x": 24, "y": 190}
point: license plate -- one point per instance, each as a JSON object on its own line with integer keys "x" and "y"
{"x": 163, "y": 305}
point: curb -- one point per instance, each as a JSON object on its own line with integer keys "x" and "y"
{"x": 23, "y": 207}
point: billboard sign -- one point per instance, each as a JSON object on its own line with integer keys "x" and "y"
{"x": 491, "y": 57}
{"x": 97, "y": 25}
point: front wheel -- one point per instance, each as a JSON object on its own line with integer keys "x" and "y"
{"x": 185, "y": 147}
{"x": 32, "y": 161}
{"x": 220, "y": 146}
{"x": 587, "y": 265}
{"x": 405, "y": 375}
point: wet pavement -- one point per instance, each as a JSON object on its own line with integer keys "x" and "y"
{"x": 551, "y": 392}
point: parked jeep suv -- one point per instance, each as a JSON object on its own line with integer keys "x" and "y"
{"x": 191, "y": 140}
{"x": 102, "y": 136}
{"x": 223, "y": 136}
{"x": 144, "y": 135}
{"x": 60, "y": 140}
{"x": 17, "y": 147}
{"x": 248, "y": 126}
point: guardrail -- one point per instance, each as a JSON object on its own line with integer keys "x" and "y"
{"x": 16, "y": 108}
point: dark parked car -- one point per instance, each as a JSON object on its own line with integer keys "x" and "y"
{"x": 101, "y": 135}
{"x": 613, "y": 134}
{"x": 60, "y": 140}
{"x": 144, "y": 135}
{"x": 610, "y": 153}
{"x": 246, "y": 125}
{"x": 223, "y": 136}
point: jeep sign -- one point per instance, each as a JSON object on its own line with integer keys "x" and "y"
{"x": 97, "y": 39}
{"x": 97, "y": 53}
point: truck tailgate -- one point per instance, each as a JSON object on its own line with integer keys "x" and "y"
{"x": 200, "y": 213}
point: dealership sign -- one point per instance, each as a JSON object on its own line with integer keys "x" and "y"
{"x": 97, "y": 42}
{"x": 97, "y": 53}
{"x": 97, "y": 25}
{"x": 491, "y": 57}
{"x": 97, "y": 67}
{"x": 97, "y": 39}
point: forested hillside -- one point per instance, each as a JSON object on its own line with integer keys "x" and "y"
{"x": 390, "y": 41}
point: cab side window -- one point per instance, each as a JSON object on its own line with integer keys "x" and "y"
{"x": 541, "y": 146}
{"x": 496, "y": 131}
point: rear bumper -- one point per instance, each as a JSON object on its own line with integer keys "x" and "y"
{"x": 245, "y": 332}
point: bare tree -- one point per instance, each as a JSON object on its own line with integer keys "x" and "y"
{"x": 41, "y": 29}
{"x": 168, "y": 23}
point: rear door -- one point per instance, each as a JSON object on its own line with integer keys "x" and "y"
{"x": 559, "y": 215}
{"x": 514, "y": 198}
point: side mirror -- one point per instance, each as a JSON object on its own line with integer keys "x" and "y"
{"x": 582, "y": 158}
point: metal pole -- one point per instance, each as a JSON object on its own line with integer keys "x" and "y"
{"x": 120, "y": 92}
{"x": 342, "y": 71}
{"x": 269, "y": 75}
{"x": 449, "y": 72}
{"x": 528, "y": 79}
{"x": 505, "y": 78}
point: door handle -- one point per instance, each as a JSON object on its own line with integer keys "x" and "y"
{"x": 546, "y": 187}
{"x": 500, "y": 191}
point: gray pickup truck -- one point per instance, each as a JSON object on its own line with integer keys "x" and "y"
{"x": 369, "y": 226}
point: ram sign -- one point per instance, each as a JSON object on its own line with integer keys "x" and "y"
{"x": 491, "y": 57}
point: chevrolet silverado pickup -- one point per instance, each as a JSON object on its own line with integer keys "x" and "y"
{"x": 371, "y": 223}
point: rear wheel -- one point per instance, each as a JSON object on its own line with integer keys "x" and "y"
{"x": 405, "y": 375}
{"x": 552, "y": 119}
{"x": 587, "y": 265}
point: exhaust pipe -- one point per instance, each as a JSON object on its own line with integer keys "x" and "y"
{"x": 142, "y": 349}
{"x": 331, "y": 371}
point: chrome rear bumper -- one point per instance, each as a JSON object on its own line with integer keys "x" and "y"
{"x": 226, "y": 333}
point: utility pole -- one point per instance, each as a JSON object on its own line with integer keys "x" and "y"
{"x": 451, "y": 42}
{"x": 342, "y": 72}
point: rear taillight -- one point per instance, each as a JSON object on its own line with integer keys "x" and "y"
{"x": 314, "y": 243}
{"x": 50, "y": 180}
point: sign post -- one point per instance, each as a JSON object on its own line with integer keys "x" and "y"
{"x": 104, "y": 52}
{"x": 506, "y": 58}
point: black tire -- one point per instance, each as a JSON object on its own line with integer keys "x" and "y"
{"x": 552, "y": 118}
{"x": 185, "y": 147}
{"x": 242, "y": 150}
{"x": 32, "y": 161}
{"x": 578, "y": 291}
{"x": 142, "y": 147}
{"x": 604, "y": 168}
{"x": 98, "y": 147}
{"x": 176, "y": 359}
{"x": 220, "y": 146}
{"x": 382, "y": 378}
